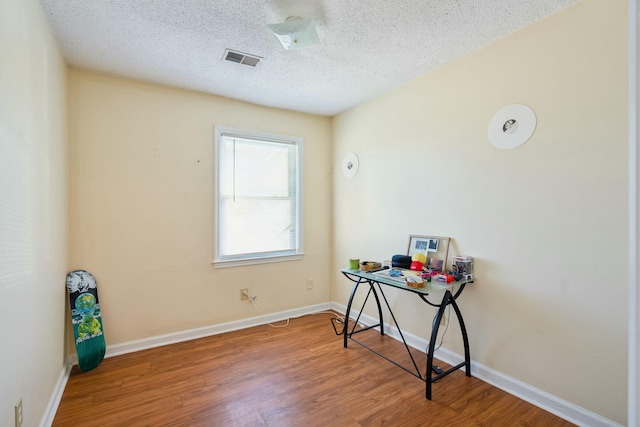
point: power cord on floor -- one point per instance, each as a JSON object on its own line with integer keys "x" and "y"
{"x": 338, "y": 319}
{"x": 253, "y": 302}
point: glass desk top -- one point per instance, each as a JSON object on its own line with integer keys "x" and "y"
{"x": 382, "y": 276}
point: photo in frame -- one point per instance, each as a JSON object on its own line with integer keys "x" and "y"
{"x": 435, "y": 248}
{"x": 435, "y": 264}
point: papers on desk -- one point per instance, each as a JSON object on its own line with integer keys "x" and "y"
{"x": 401, "y": 279}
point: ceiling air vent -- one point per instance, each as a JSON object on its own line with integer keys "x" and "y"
{"x": 241, "y": 58}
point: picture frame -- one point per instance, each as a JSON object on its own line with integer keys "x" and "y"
{"x": 418, "y": 244}
{"x": 433, "y": 247}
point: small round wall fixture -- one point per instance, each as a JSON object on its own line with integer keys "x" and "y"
{"x": 512, "y": 126}
{"x": 350, "y": 165}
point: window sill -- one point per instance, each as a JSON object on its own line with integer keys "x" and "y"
{"x": 253, "y": 261}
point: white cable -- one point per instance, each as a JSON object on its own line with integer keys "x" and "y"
{"x": 339, "y": 318}
{"x": 253, "y": 301}
{"x": 446, "y": 327}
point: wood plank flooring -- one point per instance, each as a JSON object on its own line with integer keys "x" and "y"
{"x": 300, "y": 375}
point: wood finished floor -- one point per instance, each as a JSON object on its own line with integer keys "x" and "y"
{"x": 295, "y": 376}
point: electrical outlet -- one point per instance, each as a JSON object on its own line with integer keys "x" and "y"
{"x": 309, "y": 284}
{"x": 18, "y": 412}
{"x": 244, "y": 294}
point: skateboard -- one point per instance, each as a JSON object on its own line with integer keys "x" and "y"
{"x": 86, "y": 319}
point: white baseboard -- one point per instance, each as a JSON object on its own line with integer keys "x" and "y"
{"x": 160, "y": 340}
{"x": 191, "y": 334}
{"x": 56, "y": 396}
{"x": 557, "y": 406}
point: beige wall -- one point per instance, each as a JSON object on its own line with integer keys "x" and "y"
{"x": 33, "y": 210}
{"x": 141, "y": 212}
{"x": 546, "y": 223}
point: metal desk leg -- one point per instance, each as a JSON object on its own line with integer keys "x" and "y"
{"x": 375, "y": 294}
{"x": 430, "y": 379}
{"x": 372, "y": 288}
{"x": 465, "y": 338}
{"x": 432, "y": 343}
{"x": 348, "y": 312}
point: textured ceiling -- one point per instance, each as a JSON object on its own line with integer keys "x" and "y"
{"x": 367, "y": 47}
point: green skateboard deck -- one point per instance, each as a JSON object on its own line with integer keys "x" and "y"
{"x": 86, "y": 319}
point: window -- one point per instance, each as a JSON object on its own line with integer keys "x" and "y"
{"x": 258, "y": 208}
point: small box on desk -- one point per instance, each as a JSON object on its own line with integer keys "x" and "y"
{"x": 462, "y": 265}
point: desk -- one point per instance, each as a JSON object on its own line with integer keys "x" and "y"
{"x": 374, "y": 281}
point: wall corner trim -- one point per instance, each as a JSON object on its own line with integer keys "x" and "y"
{"x": 56, "y": 396}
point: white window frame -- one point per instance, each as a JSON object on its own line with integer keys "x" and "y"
{"x": 219, "y": 260}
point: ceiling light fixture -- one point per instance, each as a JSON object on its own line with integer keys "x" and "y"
{"x": 296, "y": 33}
